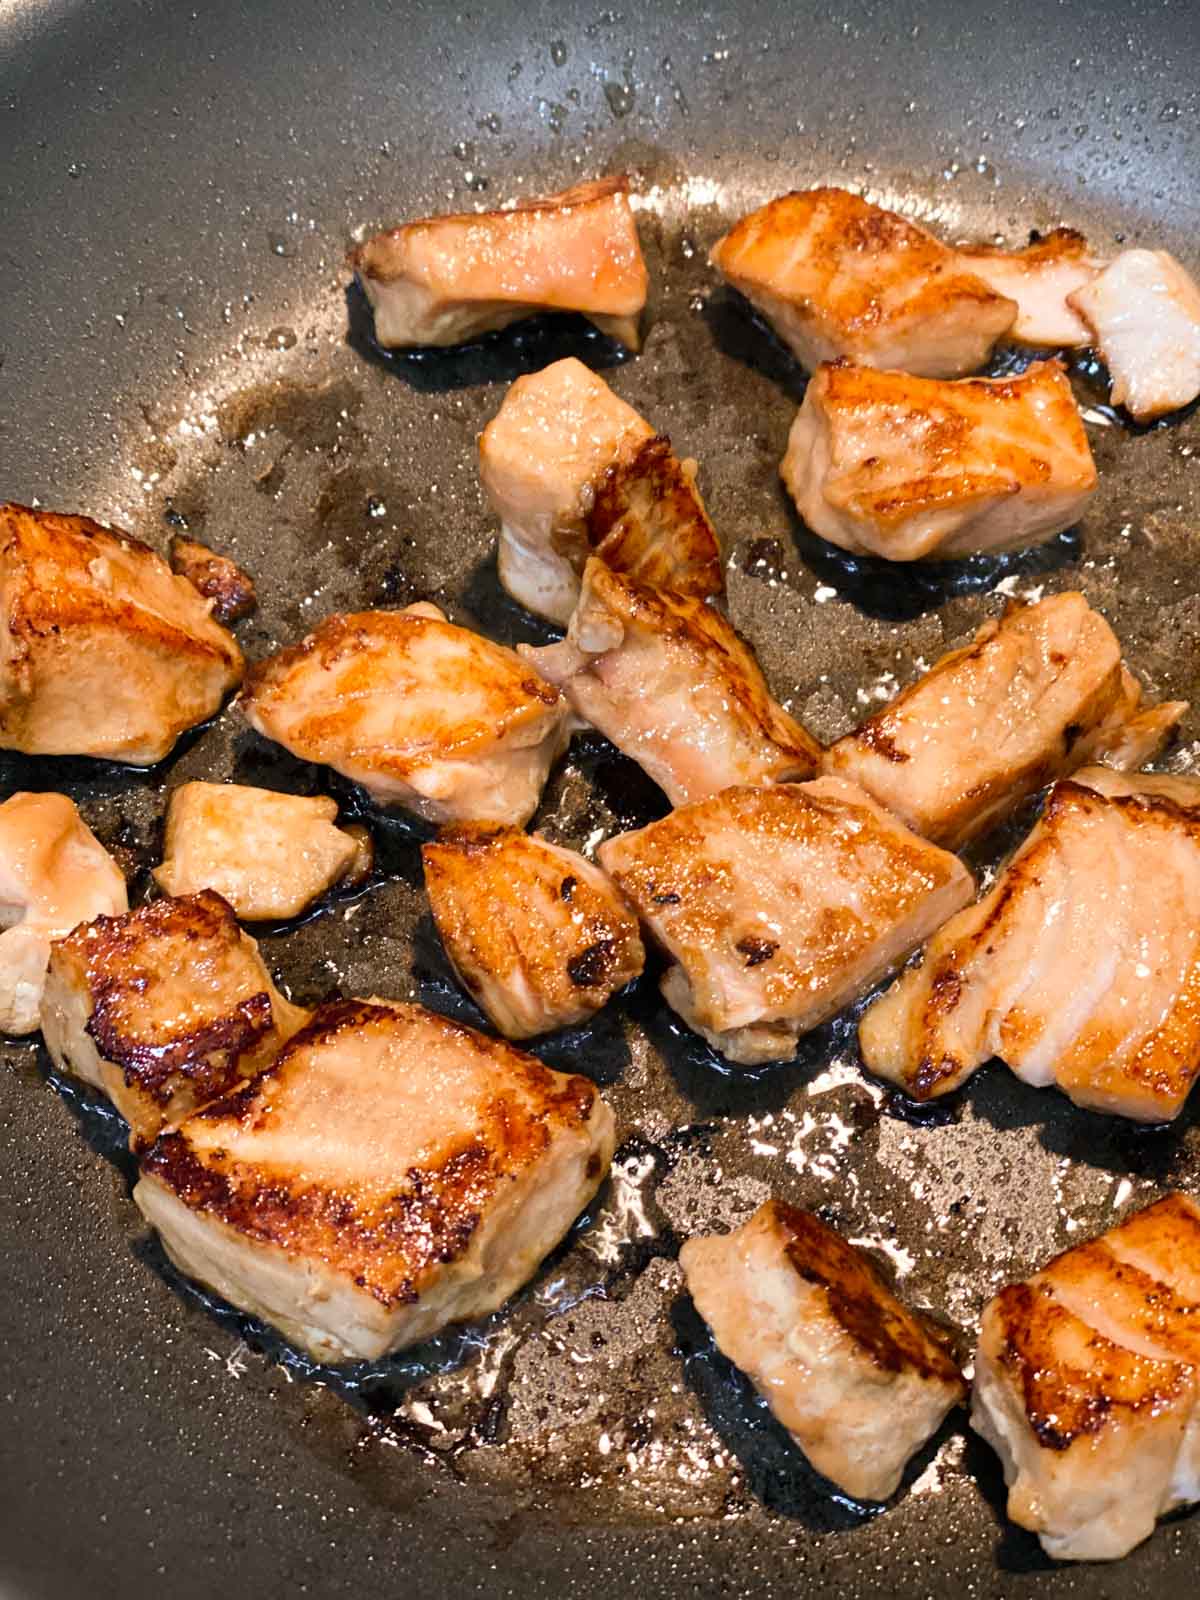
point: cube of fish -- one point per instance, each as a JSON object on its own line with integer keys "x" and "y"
{"x": 444, "y": 280}
{"x": 1087, "y": 1380}
{"x": 394, "y": 1172}
{"x": 106, "y": 652}
{"x": 1080, "y": 967}
{"x": 674, "y": 686}
{"x": 778, "y": 905}
{"x": 538, "y": 935}
{"x": 569, "y": 469}
{"x": 163, "y": 1009}
{"x": 1037, "y": 693}
{"x": 858, "y": 1380}
{"x": 268, "y": 855}
{"x": 916, "y": 468}
{"x": 54, "y": 874}
{"x": 1144, "y": 313}
{"x": 422, "y": 713}
{"x": 837, "y": 276}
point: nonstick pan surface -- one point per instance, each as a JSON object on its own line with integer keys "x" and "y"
{"x": 178, "y": 185}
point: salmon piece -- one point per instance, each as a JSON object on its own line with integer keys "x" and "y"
{"x": 1144, "y": 311}
{"x": 444, "y": 280}
{"x": 1041, "y": 278}
{"x": 54, "y": 874}
{"x": 858, "y": 1380}
{"x": 569, "y": 469}
{"x": 1080, "y": 967}
{"x": 1037, "y": 693}
{"x": 392, "y": 1173}
{"x": 915, "y": 468}
{"x": 778, "y": 905}
{"x": 422, "y": 713}
{"x": 1086, "y": 1384}
{"x": 216, "y": 577}
{"x": 268, "y": 855}
{"x": 103, "y": 650}
{"x": 163, "y": 1009}
{"x": 675, "y": 687}
{"x": 538, "y": 936}
{"x": 837, "y": 276}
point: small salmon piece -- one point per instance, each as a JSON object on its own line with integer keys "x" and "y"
{"x": 569, "y": 469}
{"x": 1041, "y": 278}
{"x": 216, "y": 577}
{"x": 1144, "y": 311}
{"x": 538, "y": 935}
{"x": 422, "y": 713}
{"x": 1087, "y": 1382}
{"x": 1036, "y": 694}
{"x": 163, "y": 1009}
{"x": 269, "y": 855}
{"x": 105, "y": 651}
{"x": 444, "y": 280}
{"x": 909, "y": 469}
{"x": 1080, "y": 967}
{"x": 778, "y": 905}
{"x": 858, "y": 1380}
{"x": 54, "y": 874}
{"x": 393, "y": 1172}
{"x": 837, "y": 276}
{"x": 675, "y": 687}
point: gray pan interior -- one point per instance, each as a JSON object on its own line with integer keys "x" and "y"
{"x": 177, "y": 187}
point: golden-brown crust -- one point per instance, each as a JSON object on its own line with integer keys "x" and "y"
{"x": 519, "y": 915}
{"x": 136, "y": 972}
{"x": 1069, "y": 1400}
{"x": 216, "y": 577}
{"x": 894, "y": 1338}
{"x": 1060, "y": 244}
{"x": 389, "y": 1239}
{"x": 647, "y": 519}
{"x": 836, "y": 225}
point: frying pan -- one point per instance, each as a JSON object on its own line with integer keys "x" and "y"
{"x": 177, "y": 347}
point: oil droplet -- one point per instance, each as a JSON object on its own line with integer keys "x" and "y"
{"x": 620, "y": 97}
{"x": 558, "y": 52}
{"x": 376, "y": 508}
{"x": 278, "y": 244}
{"x": 280, "y": 339}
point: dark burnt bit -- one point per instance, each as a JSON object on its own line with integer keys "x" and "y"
{"x": 895, "y": 1339}
{"x": 216, "y": 577}
{"x": 1070, "y": 735}
{"x": 567, "y": 888}
{"x": 207, "y": 1058}
{"x": 592, "y": 965}
{"x": 756, "y": 950}
{"x": 875, "y": 736}
{"x": 664, "y": 897}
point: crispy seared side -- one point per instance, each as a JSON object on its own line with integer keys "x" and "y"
{"x": 537, "y": 934}
{"x": 163, "y": 1009}
{"x": 858, "y": 1380}
{"x": 910, "y": 469}
{"x": 1087, "y": 1382}
{"x": 647, "y": 520}
{"x": 392, "y": 1172}
{"x": 837, "y": 276}
{"x": 103, "y": 650}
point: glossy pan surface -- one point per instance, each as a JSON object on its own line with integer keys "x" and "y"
{"x": 178, "y": 185}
